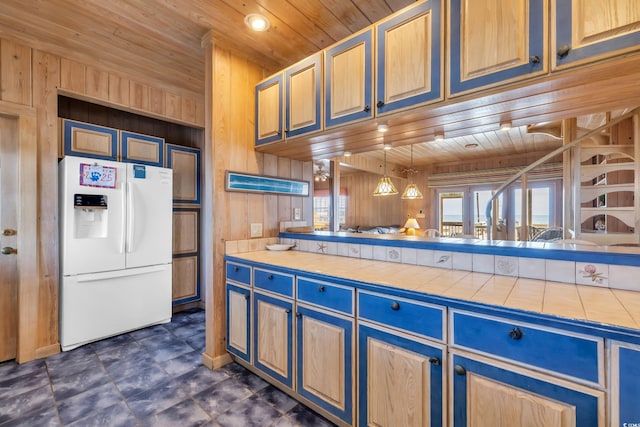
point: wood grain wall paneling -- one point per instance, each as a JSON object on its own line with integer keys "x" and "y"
{"x": 118, "y": 89}
{"x": 363, "y": 209}
{"x": 72, "y": 76}
{"x": 15, "y": 73}
{"x": 97, "y": 83}
{"x": 139, "y": 95}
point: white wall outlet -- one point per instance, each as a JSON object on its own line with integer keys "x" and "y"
{"x": 420, "y": 214}
{"x": 297, "y": 214}
{"x": 256, "y": 230}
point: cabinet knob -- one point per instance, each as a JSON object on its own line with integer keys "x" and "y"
{"x": 320, "y": 288}
{"x": 535, "y": 59}
{"x": 288, "y": 310}
{"x": 515, "y": 333}
{"x": 395, "y": 306}
{"x": 380, "y": 104}
{"x": 367, "y": 108}
{"x": 246, "y": 297}
{"x": 460, "y": 370}
{"x": 236, "y": 268}
{"x": 9, "y": 250}
{"x": 298, "y": 315}
{"x": 8, "y": 232}
{"x": 564, "y": 50}
{"x": 434, "y": 361}
{"x": 270, "y": 277}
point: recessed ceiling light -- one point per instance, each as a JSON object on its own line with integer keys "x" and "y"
{"x": 387, "y": 147}
{"x": 382, "y": 127}
{"x": 439, "y": 136}
{"x": 505, "y": 125}
{"x": 471, "y": 145}
{"x": 257, "y": 22}
{"x": 347, "y": 153}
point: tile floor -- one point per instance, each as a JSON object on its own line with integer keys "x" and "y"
{"x": 150, "y": 377}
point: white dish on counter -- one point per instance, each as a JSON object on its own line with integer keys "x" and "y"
{"x": 279, "y": 247}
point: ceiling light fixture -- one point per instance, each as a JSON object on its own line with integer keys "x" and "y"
{"x": 471, "y": 145}
{"x": 439, "y": 136}
{"x": 411, "y": 192}
{"x": 382, "y": 127}
{"x": 387, "y": 147}
{"x": 321, "y": 174}
{"x": 385, "y": 187}
{"x": 347, "y": 153}
{"x": 504, "y": 126}
{"x": 257, "y": 22}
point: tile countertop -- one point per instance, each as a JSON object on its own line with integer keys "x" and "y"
{"x": 586, "y": 303}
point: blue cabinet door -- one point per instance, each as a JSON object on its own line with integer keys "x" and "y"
{"x": 142, "y": 149}
{"x": 489, "y": 47}
{"x": 273, "y": 337}
{"x": 303, "y": 103}
{"x": 409, "y": 58}
{"x": 400, "y": 380}
{"x": 348, "y": 80}
{"x": 185, "y": 163}
{"x": 325, "y": 360}
{"x": 583, "y": 33}
{"x": 482, "y": 388}
{"x": 626, "y": 385}
{"x": 269, "y": 110}
{"x": 238, "y": 321}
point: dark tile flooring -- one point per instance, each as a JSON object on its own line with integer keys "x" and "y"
{"x": 149, "y": 377}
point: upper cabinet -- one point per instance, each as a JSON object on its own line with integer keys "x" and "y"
{"x": 304, "y": 96}
{"x": 144, "y": 149}
{"x": 269, "y": 110}
{"x": 588, "y": 30}
{"x": 409, "y": 58}
{"x": 495, "y": 41}
{"x": 88, "y": 140}
{"x": 348, "y": 80}
{"x": 185, "y": 162}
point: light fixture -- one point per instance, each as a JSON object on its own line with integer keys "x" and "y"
{"x": 387, "y": 147}
{"x": 320, "y": 174}
{"x": 382, "y": 127}
{"x": 471, "y": 145}
{"x": 439, "y": 136}
{"x": 347, "y": 153}
{"x": 410, "y": 226}
{"x": 504, "y": 126}
{"x": 257, "y": 22}
{"x": 385, "y": 187}
{"x": 411, "y": 192}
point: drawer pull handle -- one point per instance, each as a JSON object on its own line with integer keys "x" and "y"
{"x": 460, "y": 370}
{"x": 515, "y": 333}
{"x": 434, "y": 361}
{"x": 395, "y": 306}
{"x": 236, "y": 268}
{"x": 270, "y": 277}
{"x": 321, "y": 288}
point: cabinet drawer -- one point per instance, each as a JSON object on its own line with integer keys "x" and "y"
{"x": 575, "y": 355}
{"x": 239, "y": 273}
{"x": 333, "y": 297}
{"x": 400, "y": 313}
{"x": 278, "y": 283}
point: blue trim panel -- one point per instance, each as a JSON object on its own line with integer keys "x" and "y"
{"x": 347, "y": 325}
{"x": 196, "y": 254}
{"x": 273, "y": 282}
{"x": 564, "y": 26}
{"x": 286, "y": 305}
{"x": 239, "y": 273}
{"x": 325, "y": 295}
{"x": 629, "y": 392}
{"x": 67, "y": 132}
{"x": 314, "y": 61}
{"x": 586, "y": 327}
{"x": 170, "y": 149}
{"x": 246, "y": 356}
{"x": 125, "y": 135}
{"x": 579, "y": 356}
{"x": 245, "y": 182}
{"x": 586, "y": 406}
{"x": 434, "y": 7}
{"x": 416, "y": 318}
{"x": 365, "y": 38}
{"x": 480, "y": 247}
{"x": 536, "y": 47}
{"x": 436, "y": 390}
{"x": 277, "y": 79}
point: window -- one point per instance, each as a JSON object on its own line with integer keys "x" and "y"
{"x": 451, "y": 213}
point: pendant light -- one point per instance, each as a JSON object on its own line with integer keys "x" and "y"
{"x": 385, "y": 187}
{"x": 411, "y": 192}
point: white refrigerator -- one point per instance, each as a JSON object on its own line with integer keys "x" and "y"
{"x": 115, "y": 248}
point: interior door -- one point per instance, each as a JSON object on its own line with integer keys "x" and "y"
{"x": 8, "y": 239}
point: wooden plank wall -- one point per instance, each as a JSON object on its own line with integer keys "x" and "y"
{"x": 363, "y": 209}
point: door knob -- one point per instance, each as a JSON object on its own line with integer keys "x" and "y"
{"x": 8, "y": 232}
{"x": 9, "y": 250}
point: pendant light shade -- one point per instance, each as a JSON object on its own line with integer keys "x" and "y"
{"x": 411, "y": 192}
{"x": 385, "y": 187}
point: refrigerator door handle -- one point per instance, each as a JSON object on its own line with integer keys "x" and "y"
{"x": 130, "y": 218}
{"x": 123, "y": 235}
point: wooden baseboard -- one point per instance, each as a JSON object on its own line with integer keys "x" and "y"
{"x": 47, "y": 351}
{"x": 216, "y": 362}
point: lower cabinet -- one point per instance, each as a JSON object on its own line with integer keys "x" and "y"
{"x": 400, "y": 379}
{"x": 325, "y": 360}
{"x": 273, "y": 337}
{"x": 625, "y": 384}
{"x": 485, "y": 392}
{"x": 239, "y": 321}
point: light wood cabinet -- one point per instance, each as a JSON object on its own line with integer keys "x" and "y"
{"x": 239, "y": 321}
{"x": 88, "y": 140}
{"x": 348, "y": 80}
{"x": 269, "y": 110}
{"x": 409, "y": 58}
{"x": 489, "y": 393}
{"x": 625, "y": 384}
{"x": 401, "y": 379}
{"x": 186, "y": 255}
{"x": 185, "y": 163}
{"x": 142, "y": 149}
{"x": 495, "y": 41}
{"x": 589, "y": 30}
{"x": 303, "y": 89}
